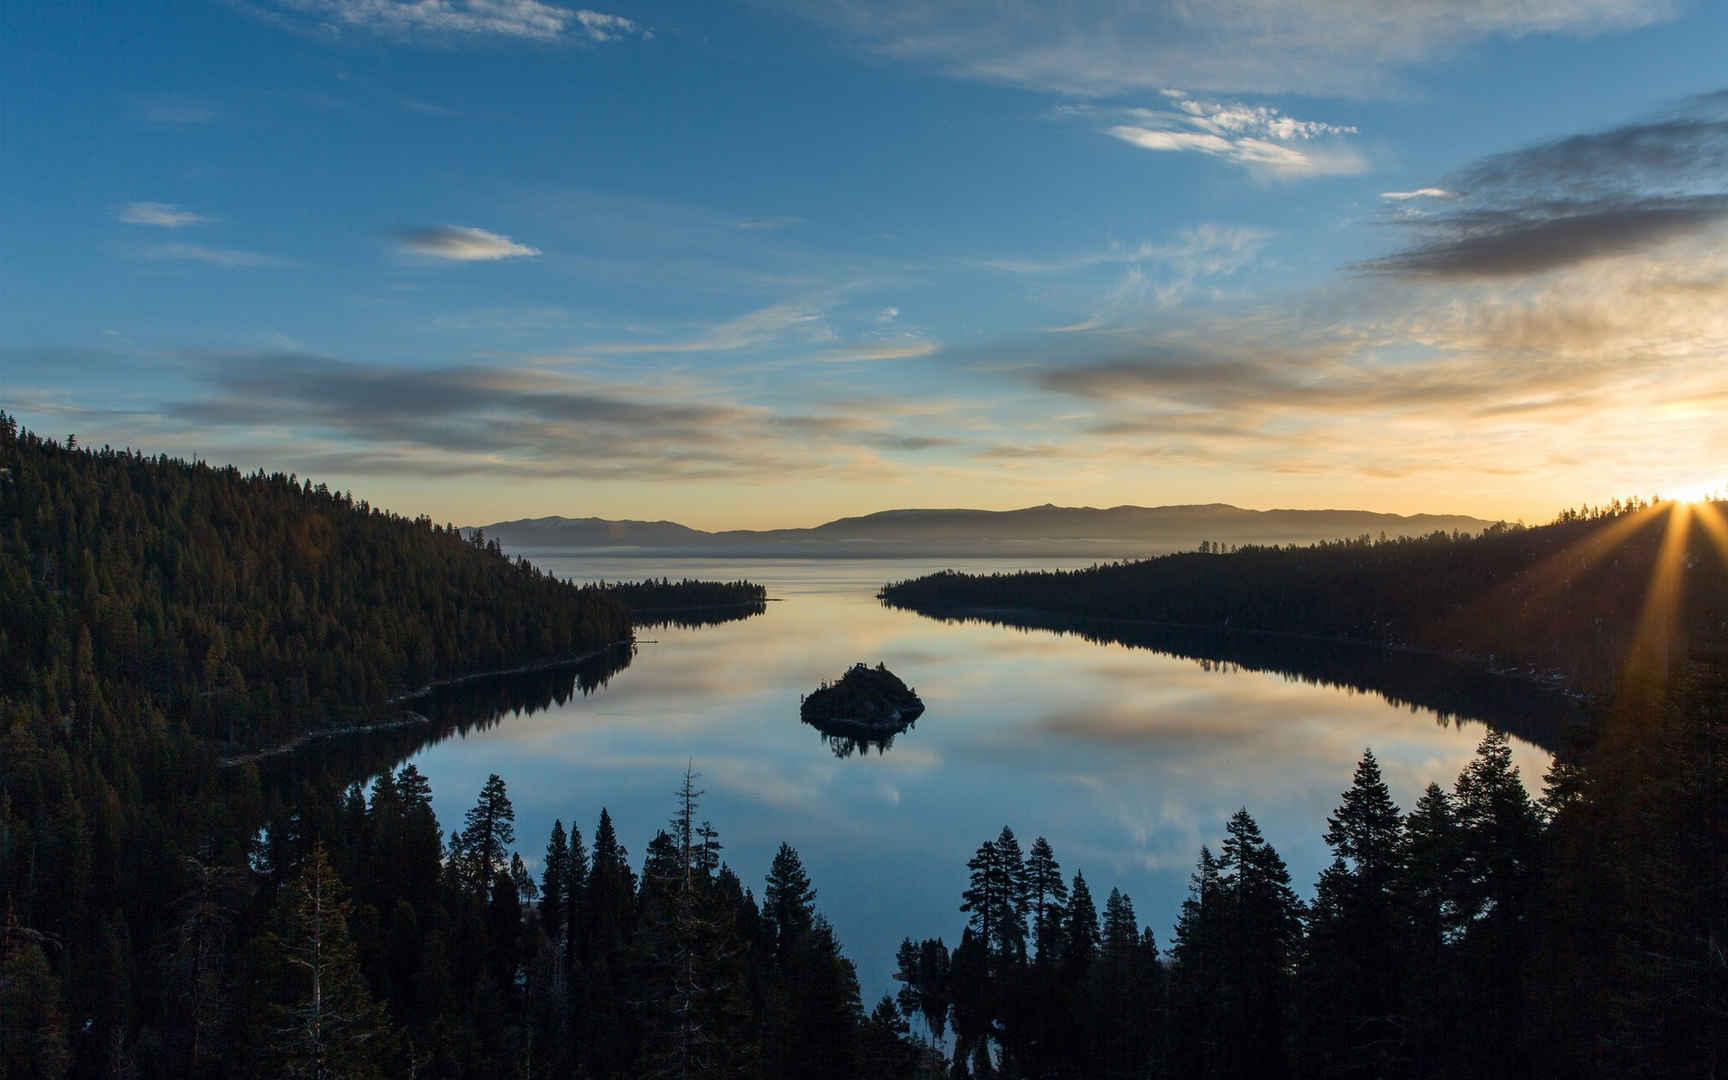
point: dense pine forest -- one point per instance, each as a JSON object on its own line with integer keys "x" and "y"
{"x": 1563, "y": 601}
{"x": 170, "y": 915}
{"x": 1479, "y": 933}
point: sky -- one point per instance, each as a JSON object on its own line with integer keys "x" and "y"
{"x": 764, "y": 264}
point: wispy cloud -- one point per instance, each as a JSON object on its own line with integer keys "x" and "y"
{"x": 1419, "y": 193}
{"x": 461, "y": 243}
{"x": 895, "y": 350}
{"x": 1261, "y": 139}
{"x": 1109, "y": 47}
{"x": 529, "y": 20}
{"x": 769, "y": 223}
{"x": 1154, "y": 274}
{"x": 1545, "y": 207}
{"x": 232, "y": 257}
{"x": 162, "y": 215}
{"x": 802, "y": 321}
{"x": 600, "y": 26}
{"x": 1207, "y": 249}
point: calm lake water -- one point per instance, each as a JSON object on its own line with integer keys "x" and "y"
{"x": 1125, "y": 759}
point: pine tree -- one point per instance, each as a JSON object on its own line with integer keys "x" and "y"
{"x": 787, "y": 900}
{"x": 1367, "y": 828}
{"x": 1080, "y": 934}
{"x": 1264, "y": 919}
{"x": 1121, "y": 1011}
{"x": 1499, "y": 833}
{"x": 1047, "y": 897}
{"x": 607, "y": 918}
{"x": 327, "y": 1026}
{"x": 554, "y": 882}
{"x": 488, "y": 830}
{"x": 1198, "y": 977}
{"x": 996, "y": 897}
{"x": 1431, "y": 925}
{"x": 1354, "y": 973}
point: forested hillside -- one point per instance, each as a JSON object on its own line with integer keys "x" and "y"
{"x": 1569, "y": 598}
{"x": 247, "y": 608}
{"x": 158, "y": 617}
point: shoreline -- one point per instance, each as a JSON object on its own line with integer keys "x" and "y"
{"x": 634, "y": 612}
{"x": 412, "y": 718}
{"x": 524, "y": 669}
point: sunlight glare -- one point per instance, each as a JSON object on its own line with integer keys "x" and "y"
{"x": 1695, "y": 493}
{"x": 1648, "y": 662}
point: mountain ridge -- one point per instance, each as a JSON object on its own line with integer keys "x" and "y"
{"x": 1043, "y": 529}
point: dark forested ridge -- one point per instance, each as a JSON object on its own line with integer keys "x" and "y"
{"x": 247, "y": 608}
{"x": 1566, "y": 601}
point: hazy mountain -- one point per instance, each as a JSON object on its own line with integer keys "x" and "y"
{"x": 1035, "y": 530}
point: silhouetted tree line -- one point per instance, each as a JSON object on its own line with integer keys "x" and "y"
{"x": 1480, "y": 933}
{"x": 354, "y": 941}
{"x": 1565, "y": 599}
{"x": 651, "y": 600}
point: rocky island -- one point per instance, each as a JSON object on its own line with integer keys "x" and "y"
{"x": 866, "y": 701}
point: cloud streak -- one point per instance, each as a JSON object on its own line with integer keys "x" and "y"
{"x": 524, "y": 20}
{"x": 229, "y": 257}
{"x": 1554, "y": 205}
{"x": 160, "y": 215}
{"x": 461, "y": 243}
{"x": 1112, "y": 47}
{"x": 1419, "y": 193}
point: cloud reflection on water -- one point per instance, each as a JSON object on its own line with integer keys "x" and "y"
{"x": 1126, "y": 759}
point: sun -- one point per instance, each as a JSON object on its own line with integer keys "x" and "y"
{"x": 1696, "y": 493}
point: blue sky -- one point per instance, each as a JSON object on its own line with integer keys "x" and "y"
{"x": 749, "y": 265}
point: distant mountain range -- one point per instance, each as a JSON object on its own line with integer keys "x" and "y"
{"x": 1118, "y": 531}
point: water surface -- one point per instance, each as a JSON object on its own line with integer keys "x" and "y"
{"x": 1126, "y": 759}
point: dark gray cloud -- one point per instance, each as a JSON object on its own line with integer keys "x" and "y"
{"x": 1560, "y": 203}
{"x": 910, "y": 442}
{"x": 514, "y": 422}
{"x": 1231, "y": 393}
{"x": 863, "y": 429}
{"x": 1549, "y": 236}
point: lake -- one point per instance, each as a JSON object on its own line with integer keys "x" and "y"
{"x": 1126, "y": 759}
